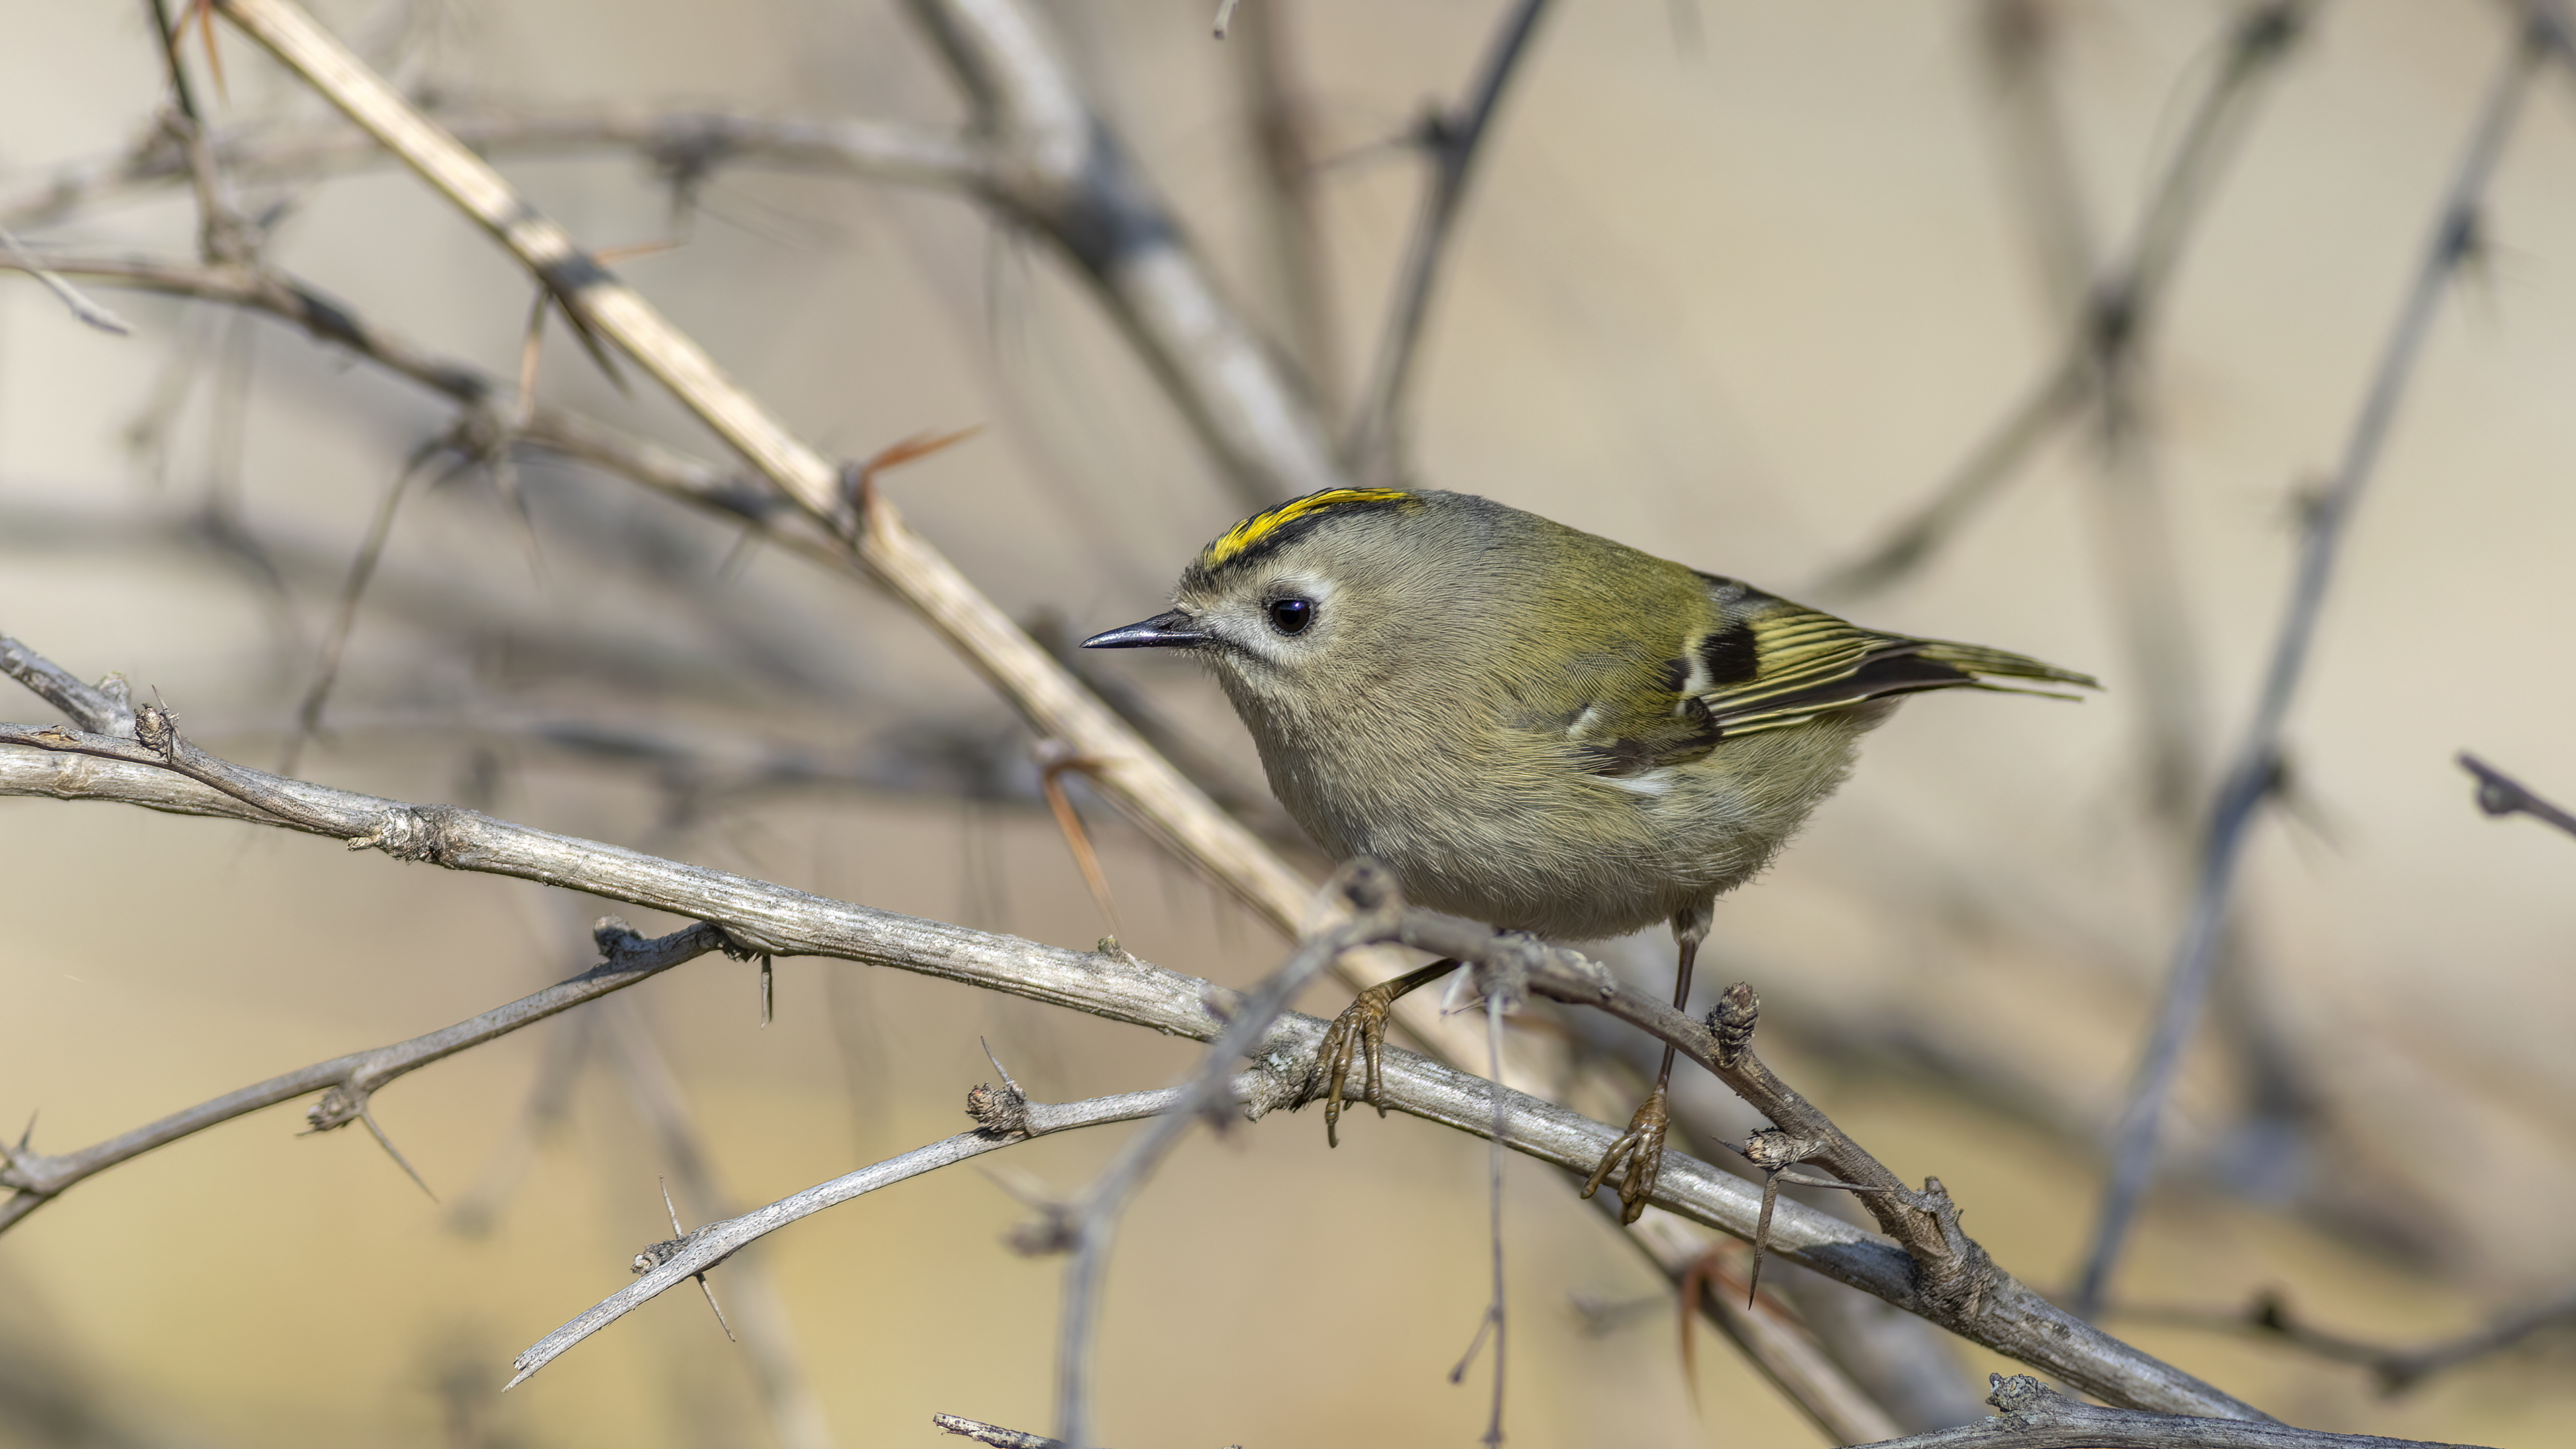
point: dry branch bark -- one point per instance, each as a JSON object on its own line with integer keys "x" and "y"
{"x": 347, "y": 1082}
{"x": 1946, "y": 1279}
{"x": 2037, "y": 1417}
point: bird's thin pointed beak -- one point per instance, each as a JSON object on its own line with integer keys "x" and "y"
{"x": 1171, "y": 629}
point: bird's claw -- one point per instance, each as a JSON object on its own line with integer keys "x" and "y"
{"x": 1361, "y": 1027}
{"x": 1642, "y": 1145}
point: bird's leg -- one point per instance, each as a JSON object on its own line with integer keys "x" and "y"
{"x": 1642, "y": 1145}
{"x": 1362, "y": 1027}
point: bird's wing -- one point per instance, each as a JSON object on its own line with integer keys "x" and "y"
{"x": 1773, "y": 664}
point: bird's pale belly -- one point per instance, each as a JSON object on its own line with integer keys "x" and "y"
{"x": 1537, "y": 850}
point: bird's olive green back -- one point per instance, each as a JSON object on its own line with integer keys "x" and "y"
{"x": 1637, "y": 662}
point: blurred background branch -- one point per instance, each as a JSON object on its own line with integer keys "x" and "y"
{"x": 1730, "y": 272}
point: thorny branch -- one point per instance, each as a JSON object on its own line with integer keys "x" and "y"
{"x": 1248, "y": 411}
{"x": 179, "y": 794}
{"x": 2249, "y": 781}
{"x": 877, "y": 542}
{"x": 1804, "y": 1373}
{"x": 1127, "y": 770}
{"x": 348, "y": 1083}
{"x": 2034, "y": 1416}
{"x": 993, "y": 1434}
{"x": 1819, "y": 1391}
{"x": 1136, "y": 780}
{"x": 1809, "y": 1380}
{"x": 999, "y": 1437}
{"x": 768, "y": 1340}
{"x": 702, "y": 1248}
{"x": 1021, "y": 77}
{"x": 1084, "y": 1229}
{"x": 1932, "y": 1269}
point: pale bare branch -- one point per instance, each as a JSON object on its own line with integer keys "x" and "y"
{"x": 1937, "y": 1273}
{"x": 349, "y": 1082}
{"x": 2499, "y": 794}
{"x": 2250, "y": 777}
{"x": 1061, "y": 169}
{"x": 2038, "y": 1417}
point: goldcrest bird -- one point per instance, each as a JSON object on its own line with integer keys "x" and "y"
{"x": 1533, "y": 726}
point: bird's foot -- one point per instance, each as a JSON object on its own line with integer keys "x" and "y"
{"x": 1643, "y": 1148}
{"x": 1360, "y": 1028}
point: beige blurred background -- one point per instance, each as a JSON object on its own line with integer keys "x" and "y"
{"x": 1737, "y": 283}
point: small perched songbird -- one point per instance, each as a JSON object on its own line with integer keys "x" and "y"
{"x": 1534, "y": 726}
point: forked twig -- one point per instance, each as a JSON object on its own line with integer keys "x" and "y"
{"x": 2113, "y": 319}
{"x": 349, "y": 1082}
{"x": 70, "y": 296}
{"x": 2249, "y": 778}
{"x": 2500, "y": 794}
{"x": 1452, "y": 140}
{"x": 1938, "y": 1272}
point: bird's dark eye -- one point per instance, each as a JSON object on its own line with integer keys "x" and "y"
{"x": 1291, "y": 616}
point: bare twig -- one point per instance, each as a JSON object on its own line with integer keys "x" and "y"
{"x": 2036, "y": 1416}
{"x": 1500, "y": 996}
{"x": 1776, "y": 1346}
{"x": 2017, "y": 41}
{"x": 482, "y": 432}
{"x": 1085, "y": 1228}
{"x": 777, "y": 1367}
{"x": 70, "y": 296}
{"x": 1451, "y": 139}
{"x": 993, "y": 1434}
{"x": 1248, "y": 411}
{"x": 1283, "y": 143}
{"x": 2250, "y": 776}
{"x": 2108, "y": 329}
{"x": 706, "y": 1246}
{"x": 2501, "y": 794}
{"x": 1061, "y": 170}
{"x": 1953, "y": 1285}
{"x": 983, "y": 46}
{"x": 813, "y": 517}
{"x": 106, "y": 708}
{"x": 344, "y": 619}
{"x": 348, "y": 1083}
{"x": 1937, "y": 1272}
{"x": 2397, "y": 1369}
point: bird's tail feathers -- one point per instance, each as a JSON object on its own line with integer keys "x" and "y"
{"x": 1980, "y": 662}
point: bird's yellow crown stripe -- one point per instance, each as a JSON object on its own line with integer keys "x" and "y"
{"x": 1248, "y": 534}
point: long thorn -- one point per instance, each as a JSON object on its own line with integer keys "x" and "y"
{"x": 1078, "y": 839}
{"x": 1761, "y": 1235}
{"x": 326, "y": 669}
{"x": 368, "y": 1116}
